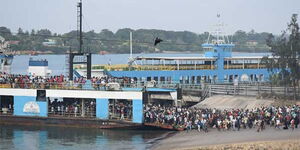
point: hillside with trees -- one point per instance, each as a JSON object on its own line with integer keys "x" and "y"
{"x": 45, "y": 41}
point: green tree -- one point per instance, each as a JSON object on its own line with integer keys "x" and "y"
{"x": 286, "y": 53}
{"x": 5, "y": 32}
{"x": 20, "y": 31}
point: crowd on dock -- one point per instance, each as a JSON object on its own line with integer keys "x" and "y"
{"x": 233, "y": 119}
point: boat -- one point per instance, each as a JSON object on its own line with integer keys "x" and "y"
{"x": 216, "y": 65}
{"x": 38, "y": 67}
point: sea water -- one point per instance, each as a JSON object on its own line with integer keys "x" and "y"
{"x": 55, "y": 138}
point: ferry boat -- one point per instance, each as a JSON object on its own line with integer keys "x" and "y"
{"x": 217, "y": 65}
{"x": 38, "y": 67}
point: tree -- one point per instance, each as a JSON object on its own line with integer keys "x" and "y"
{"x": 240, "y": 36}
{"x": 32, "y": 32}
{"x": 45, "y": 33}
{"x": 286, "y": 52}
{"x": 5, "y": 32}
{"x": 20, "y": 31}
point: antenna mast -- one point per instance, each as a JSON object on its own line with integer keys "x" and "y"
{"x": 79, "y": 24}
{"x": 218, "y": 35}
{"x": 130, "y": 38}
{"x": 80, "y": 57}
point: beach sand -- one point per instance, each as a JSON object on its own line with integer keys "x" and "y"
{"x": 244, "y": 139}
{"x": 265, "y": 145}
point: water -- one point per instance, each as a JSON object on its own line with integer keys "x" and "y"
{"x": 53, "y": 138}
{"x": 57, "y": 63}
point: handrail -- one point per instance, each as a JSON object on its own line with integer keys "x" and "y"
{"x": 245, "y": 66}
{"x": 125, "y": 67}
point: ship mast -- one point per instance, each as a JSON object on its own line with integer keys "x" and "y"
{"x": 218, "y": 36}
{"x": 79, "y": 24}
{"x": 80, "y": 57}
{"x": 130, "y": 40}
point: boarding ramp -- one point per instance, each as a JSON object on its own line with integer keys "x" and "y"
{"x": 77, "y": 74}
{"x": 233, "y": 102}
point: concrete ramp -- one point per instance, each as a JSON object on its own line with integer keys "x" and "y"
{"x": 233, "y": 102}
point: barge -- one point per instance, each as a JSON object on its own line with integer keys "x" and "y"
{"x": 35, "y": 107}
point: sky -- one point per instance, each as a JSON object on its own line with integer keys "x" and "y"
{"x": 173, "y": 15}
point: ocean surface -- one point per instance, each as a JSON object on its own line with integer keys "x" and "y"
{"x": 60, "y": 138}
{"x": 58, "y": 65}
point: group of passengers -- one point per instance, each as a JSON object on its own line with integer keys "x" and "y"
{"x": 120, "y": 110}
{"x": 30, "y": 81}
{"x": 71, "y": 109}
{"x": 60, "y": 81}
{"x": 233, "y": 119}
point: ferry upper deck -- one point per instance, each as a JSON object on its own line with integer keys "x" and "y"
{"x": 216, "y": 66}
{"x": 187, "y": 63}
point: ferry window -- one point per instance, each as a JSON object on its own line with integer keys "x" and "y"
{"x": 181, "y": 79}
{"x": 41, "y": 95}
{"x": 215, "y": 78}
{"x": 169, "y": 79}
{"x": 156, "y": 79}
{"x": 204, "y": 78}
{"x": 198, "y": 79}
{"x": 143, "y": 79}
{"x": 162, "y": 79}
{"x": 187, "y": 81}
{"x": 209, "y": 79}
{"x": 230, "y": 78}
{"x": 261, "y": 77}
{"x": 236, "y": 77}
{"x": 256, "y": 77}
{"x": 193, "y": 80}
{"x": 251, "y": 77}
{"x": 148, "y": 78}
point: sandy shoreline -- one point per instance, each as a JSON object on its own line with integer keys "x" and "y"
{"x": 265, "y": 145}
{"x": 218, "y": 139}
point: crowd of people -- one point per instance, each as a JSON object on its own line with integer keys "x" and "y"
{"x": 72, "y": 108}
{"x": 233, "y": 119}
{"x": 120, "y": 110}
{"x": 60, "y": 81}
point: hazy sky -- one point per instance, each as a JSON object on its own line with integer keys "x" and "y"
{"x": 177, "y": 15}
